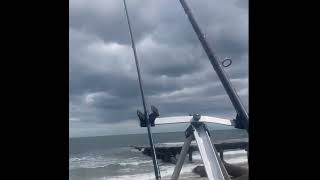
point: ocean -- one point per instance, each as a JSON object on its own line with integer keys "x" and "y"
{"x": 112, "y": 158}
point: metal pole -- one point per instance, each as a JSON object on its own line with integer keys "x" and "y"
{"x": 219, "y": 70}
{"x": 154, "y": 156}
{"x": 208, "y": 154}
{"x": 182, "y": 157}
{"x": 223, "y": 168}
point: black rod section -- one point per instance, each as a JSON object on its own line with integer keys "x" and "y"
{"x": 236, "y": 101}
{"x": 146, "y": 116}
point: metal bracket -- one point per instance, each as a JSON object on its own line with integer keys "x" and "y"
{"x": 189, "y": 131}
{"x": 238, "y": 122}
{"x": 213, "y": 164}
{"x": 152, "y": 117}
{"x": 195, "y": 120}
{"x": 141, "y": 116}
{"x": 196, "y": 123}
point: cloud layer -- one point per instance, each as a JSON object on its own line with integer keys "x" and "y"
{"x": 177, "y": 76}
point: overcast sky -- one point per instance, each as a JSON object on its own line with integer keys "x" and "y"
{"x": 177, "y": 75}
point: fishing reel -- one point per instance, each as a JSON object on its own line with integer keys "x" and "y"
{"x": 152, "y": 117}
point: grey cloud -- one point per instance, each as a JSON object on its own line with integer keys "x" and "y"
{"x": 107, "y": 20}
{"x": 178, "y": 78}
{"x": 242, "y": 4}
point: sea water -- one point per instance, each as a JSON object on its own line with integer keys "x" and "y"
{"x": 112, "y": 158}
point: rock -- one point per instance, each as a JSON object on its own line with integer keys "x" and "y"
{"x": 200, "y": 171}
{"x": 234, "y": 170}
{"x": 173, "y": 160}
{"x": 237, "y": 172}
{"x": 243, "y": 177}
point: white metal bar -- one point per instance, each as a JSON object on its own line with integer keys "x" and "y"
{"x": 208, "y": 154}
{"x": 189, "y": 119}
{"x": 223, "y": 169}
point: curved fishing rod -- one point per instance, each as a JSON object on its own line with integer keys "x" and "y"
{"x": 146, "y": 116}
{"x": 242, "y": 119}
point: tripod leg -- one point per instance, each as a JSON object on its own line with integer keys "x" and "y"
{"x": 212, "y": 163}
{"x": 182, "y": 157}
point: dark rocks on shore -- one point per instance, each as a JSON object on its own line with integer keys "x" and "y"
{"x": 168, "y": 153}
{"x": 236, "y": 172}
{"x": 243, "y": 177}
{"x": 200, "y": 171}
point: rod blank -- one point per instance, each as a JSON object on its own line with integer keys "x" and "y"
{"x": 146, "y": 116}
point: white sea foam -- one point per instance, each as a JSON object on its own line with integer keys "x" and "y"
{"x": 135, "y": 150}
{"x": 90, "y": 162}
{"x": 237, "y": 160}
{"x": 100, "y": 161}
{"x": 233, "y": 157}
{"x": 136, "y": 163}
{"x": 131, "y": 177}
{"x": 237, "y": 152}
{"x": 166, "y": 171}
{"x": 129, "y": 166}
{"x": 196, "y": 156}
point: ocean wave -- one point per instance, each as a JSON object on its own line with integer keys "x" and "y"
{"x": 135, "y": 150}
{"x": 91, "y": 162}
{"x": 166, "y": 171}
{"x": 135, "y": 163}
{"x": 237, "y": 160}
{"x": 237, "y": 152}
{"x": 103, "y": 167}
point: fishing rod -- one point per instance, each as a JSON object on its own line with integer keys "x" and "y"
{"x": 145, "y": 115}
{"x": 242, "y": 119}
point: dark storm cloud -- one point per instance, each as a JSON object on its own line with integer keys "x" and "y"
{"x": 177, "y": 76}
{"x": 106, "y": 19}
